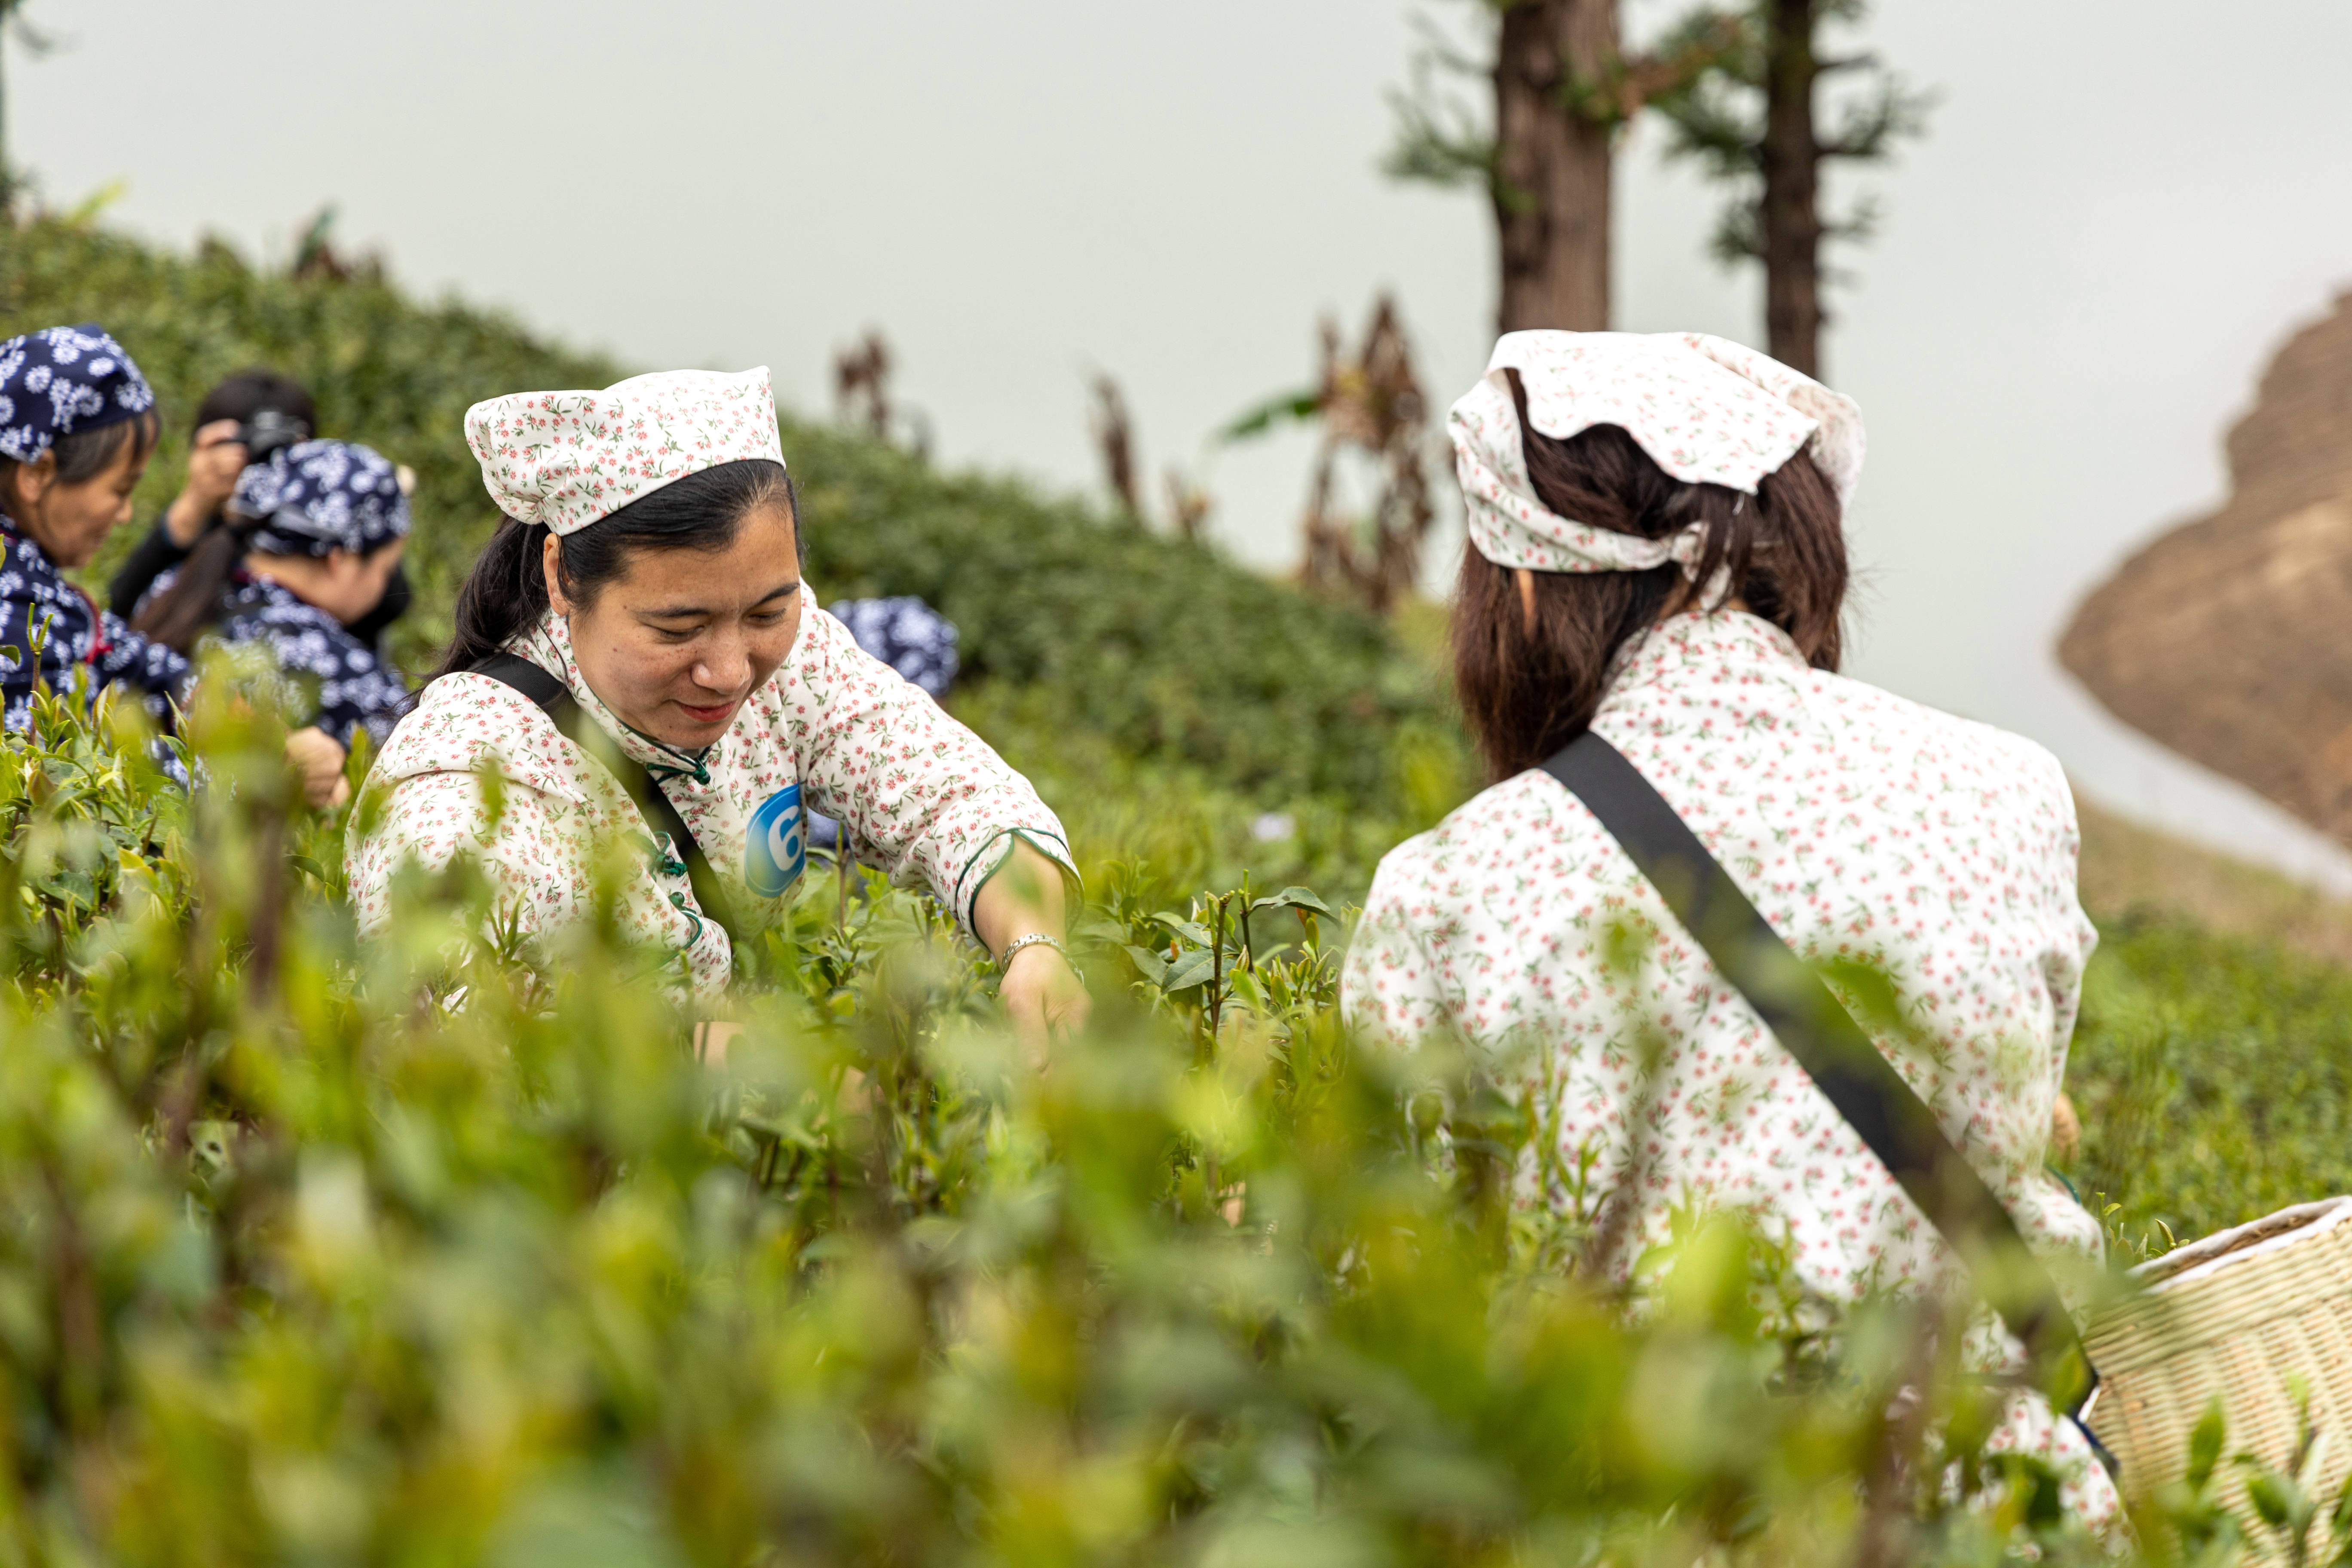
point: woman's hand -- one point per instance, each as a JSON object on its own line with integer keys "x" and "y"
{"x": 1043, "y": 997}
{"x": 318, "y": 760}
{"x": 711, "y": 1038}
{"x": 213, "y": 468}
{"x": 2065, "y": 1131}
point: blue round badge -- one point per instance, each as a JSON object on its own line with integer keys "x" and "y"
{"x": 775, "y": 848}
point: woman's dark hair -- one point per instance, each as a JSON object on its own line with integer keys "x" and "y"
{"x": 506, "y": 591}
{"x": 1530, "y": 684}
{"x": 86, "y": 454}
{"x": 178, "y": 615}
{"x": 248, "y": 392}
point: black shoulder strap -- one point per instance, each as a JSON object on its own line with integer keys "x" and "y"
{"x": 1828, "y": 1044}
{"x": 547, "y": 692}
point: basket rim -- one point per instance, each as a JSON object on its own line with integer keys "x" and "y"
{"x": 2208, "y": 1255}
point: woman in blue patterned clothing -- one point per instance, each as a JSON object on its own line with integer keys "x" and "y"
{"x": 312, "y": 538}
{"x": 77, "y": 426}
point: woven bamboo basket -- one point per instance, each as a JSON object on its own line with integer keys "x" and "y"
{"x": 2233, "y": 1316}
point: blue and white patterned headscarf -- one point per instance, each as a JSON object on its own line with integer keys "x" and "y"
{"x": 319, "y": 497}
{"x": 63, "y": 381}
{"x": 906, "y": 634}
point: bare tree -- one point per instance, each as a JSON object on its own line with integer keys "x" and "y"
{"x": 316, "y": 257}
{"x": 1562, "y": 88}
{"x": 1190, "y": 505}
{"x": 1754, "y": 121}
{"x": 1114, "y": 433}
{"x": 1373, "y": 411}
{"x": 1188, "y": 501}
{"x": 861, "y": 385}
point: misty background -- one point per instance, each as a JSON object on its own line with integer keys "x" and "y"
{"x": 2116, "y": 215}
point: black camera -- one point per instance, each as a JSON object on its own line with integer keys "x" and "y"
{"x": 270, "y": 430}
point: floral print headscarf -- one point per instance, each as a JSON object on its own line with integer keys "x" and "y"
{"x": 1708, "y": 411}
{"x": 567, "y": 458}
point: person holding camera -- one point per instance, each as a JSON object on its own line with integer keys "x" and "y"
{"x": 77, "y": 426}
{"x": 242, "y": 422}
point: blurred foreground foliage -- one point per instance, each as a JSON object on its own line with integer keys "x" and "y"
{"x": 1088, "y": 643}
{"x": 441, "y": 1249}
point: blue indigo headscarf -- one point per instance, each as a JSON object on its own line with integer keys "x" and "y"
{"x": 319, "y": 497}
{"x": 63, "y": 381}
{"x": 906, "y": 634}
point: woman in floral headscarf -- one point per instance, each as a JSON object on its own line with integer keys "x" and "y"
{"x": 1657, "y": 555}
{"x": 643, "y": 595}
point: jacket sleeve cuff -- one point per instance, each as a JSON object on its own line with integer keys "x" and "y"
{"x": 991, "y": 858}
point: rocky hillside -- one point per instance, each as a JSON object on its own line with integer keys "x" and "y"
{"x": 2230, "y": 638}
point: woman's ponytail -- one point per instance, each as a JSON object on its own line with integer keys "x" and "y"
{"x": 505, "y": 593}
{"x": 179, "y": 614}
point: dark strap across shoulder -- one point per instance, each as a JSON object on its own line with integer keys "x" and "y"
{"x": 1812, "y": 1027}
{"x": 547, "y": 691}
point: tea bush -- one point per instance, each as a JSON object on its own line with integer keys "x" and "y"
{"x": 2213, "y": 1076}
{"x": 442, "y": 1248}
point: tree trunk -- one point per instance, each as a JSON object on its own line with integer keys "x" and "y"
{"x": 7, "y": 179}
{"x": 1552, "y": 164}
{"x": 1792, "y": 218}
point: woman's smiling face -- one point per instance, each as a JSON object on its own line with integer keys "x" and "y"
{"x": 70, "y": 522}
{"x": 677, "y": 643}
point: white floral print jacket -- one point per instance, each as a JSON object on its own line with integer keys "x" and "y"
{"x": 834, "y": 730}
{"x": 1862, "y": 827}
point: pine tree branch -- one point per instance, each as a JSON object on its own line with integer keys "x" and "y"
{"x": 1738, "y": 233}
{"x": 1702, "y": 44}
{"x": 1868, "y": 130}
{"x": 1722, "y": 136}
{"x": 1717, "y": 113}
{"x": 1441, "y": 144}
{"x": 1441, "y": 140}
{"x": 1860, "y": 223}
{"x": 1434, "y": 49}
{"x": 34, "y": 42}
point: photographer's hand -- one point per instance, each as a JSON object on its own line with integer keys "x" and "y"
{"x": 213, "y": 468}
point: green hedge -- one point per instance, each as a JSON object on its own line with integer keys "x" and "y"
{"x": 385, "y": 370}
{"x": 1170, "y": 653}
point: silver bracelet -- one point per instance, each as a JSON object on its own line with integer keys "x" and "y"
{"x": 1005, "y": 959}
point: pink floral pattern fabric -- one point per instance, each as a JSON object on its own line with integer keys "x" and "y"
{"x": 566, "y": 458}
{"x": 922, "y": 796}
{"x": 1863, "y": 828}
{"x": 1708, "y": 411}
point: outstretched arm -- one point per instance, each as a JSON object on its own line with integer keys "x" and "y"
{"x": 1042, "y": 993}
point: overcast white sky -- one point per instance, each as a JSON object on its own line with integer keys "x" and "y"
{"x": 2118, "y": 213}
